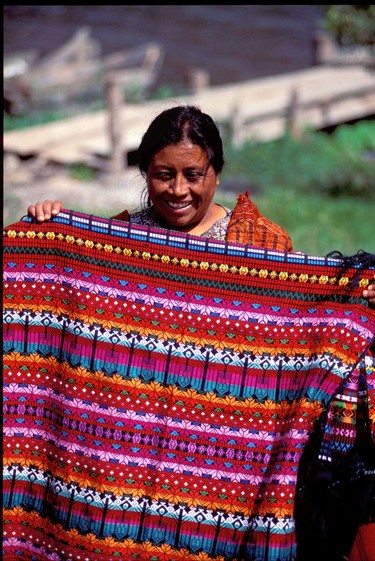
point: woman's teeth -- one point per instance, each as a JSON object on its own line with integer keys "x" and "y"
{"x": 177, "y": 205}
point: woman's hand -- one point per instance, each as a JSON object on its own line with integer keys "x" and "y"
{"x": 44, "y": 210}
{"x": 369, "y": 293}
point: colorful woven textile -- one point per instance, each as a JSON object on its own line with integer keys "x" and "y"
{"x": 159, "y": 389}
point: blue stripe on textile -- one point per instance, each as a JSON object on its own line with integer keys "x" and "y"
{"x": 171, "y": 238}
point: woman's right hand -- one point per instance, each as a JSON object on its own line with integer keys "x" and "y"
{"x": 44, "y": 210}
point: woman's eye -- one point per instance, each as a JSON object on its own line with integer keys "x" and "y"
{"x": 163, "y": 175}
{"x": 194, "y": 176}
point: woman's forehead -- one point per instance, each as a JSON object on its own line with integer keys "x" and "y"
{"x": 184, "y": 153}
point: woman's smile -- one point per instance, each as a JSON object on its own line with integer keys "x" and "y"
{"x": 177, "y": 206}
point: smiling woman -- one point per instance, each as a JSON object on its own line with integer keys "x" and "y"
{"x": 181, "y": 159}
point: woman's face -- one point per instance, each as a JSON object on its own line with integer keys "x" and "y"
{"x": 181, "y": 185}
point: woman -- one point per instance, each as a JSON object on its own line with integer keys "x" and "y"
{"x": 181, "y": 158}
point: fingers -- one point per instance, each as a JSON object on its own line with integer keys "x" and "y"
{"x": 44, "y": 210}
{"x": 369, "y": 293}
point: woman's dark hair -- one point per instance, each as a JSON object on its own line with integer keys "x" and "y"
{"x": 177, "y": 124}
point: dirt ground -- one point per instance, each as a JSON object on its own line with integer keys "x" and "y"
{"x": 29, "y": 181}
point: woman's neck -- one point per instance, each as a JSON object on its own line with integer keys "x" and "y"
{"x": 215, "y": 212}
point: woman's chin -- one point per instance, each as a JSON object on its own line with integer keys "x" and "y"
{"x": 177, "y": 219}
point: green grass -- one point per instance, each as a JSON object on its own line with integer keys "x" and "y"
{"x": 318, "y": 224}
{"x": 24, "y": 121}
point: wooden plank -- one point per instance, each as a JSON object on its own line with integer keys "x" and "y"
{"x": 326, "y": 96}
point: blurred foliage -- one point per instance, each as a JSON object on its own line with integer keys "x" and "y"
{"x": 26, "y": 120}
{"x": 351, "y": 24}
{"x": 164, "y": 91}
{"x": 340, "y": 163}
{"x": 82, "y": 172}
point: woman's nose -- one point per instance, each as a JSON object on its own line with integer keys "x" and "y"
{"x": 179, "y": 185}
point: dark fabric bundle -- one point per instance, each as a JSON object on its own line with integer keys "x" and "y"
{"x": 335, "y": 492}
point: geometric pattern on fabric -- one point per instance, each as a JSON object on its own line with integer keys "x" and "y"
{"x": 159, "y": 389}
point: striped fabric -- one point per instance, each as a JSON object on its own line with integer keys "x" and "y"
{"x": 159, "y": 389}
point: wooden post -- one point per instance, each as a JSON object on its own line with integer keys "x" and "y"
{"x": 324, "y": 48}
{"x": 236, "y": 125}
{"x": 115, "y": 100}
{"x": 293, "y": 125}
{"x": 198, "y": 79}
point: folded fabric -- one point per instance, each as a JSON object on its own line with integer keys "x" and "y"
{"x": 249, "y": 226}
{"x": 159, "y": 389}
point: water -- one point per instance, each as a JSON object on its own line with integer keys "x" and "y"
{"x": 231, "y": 43}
